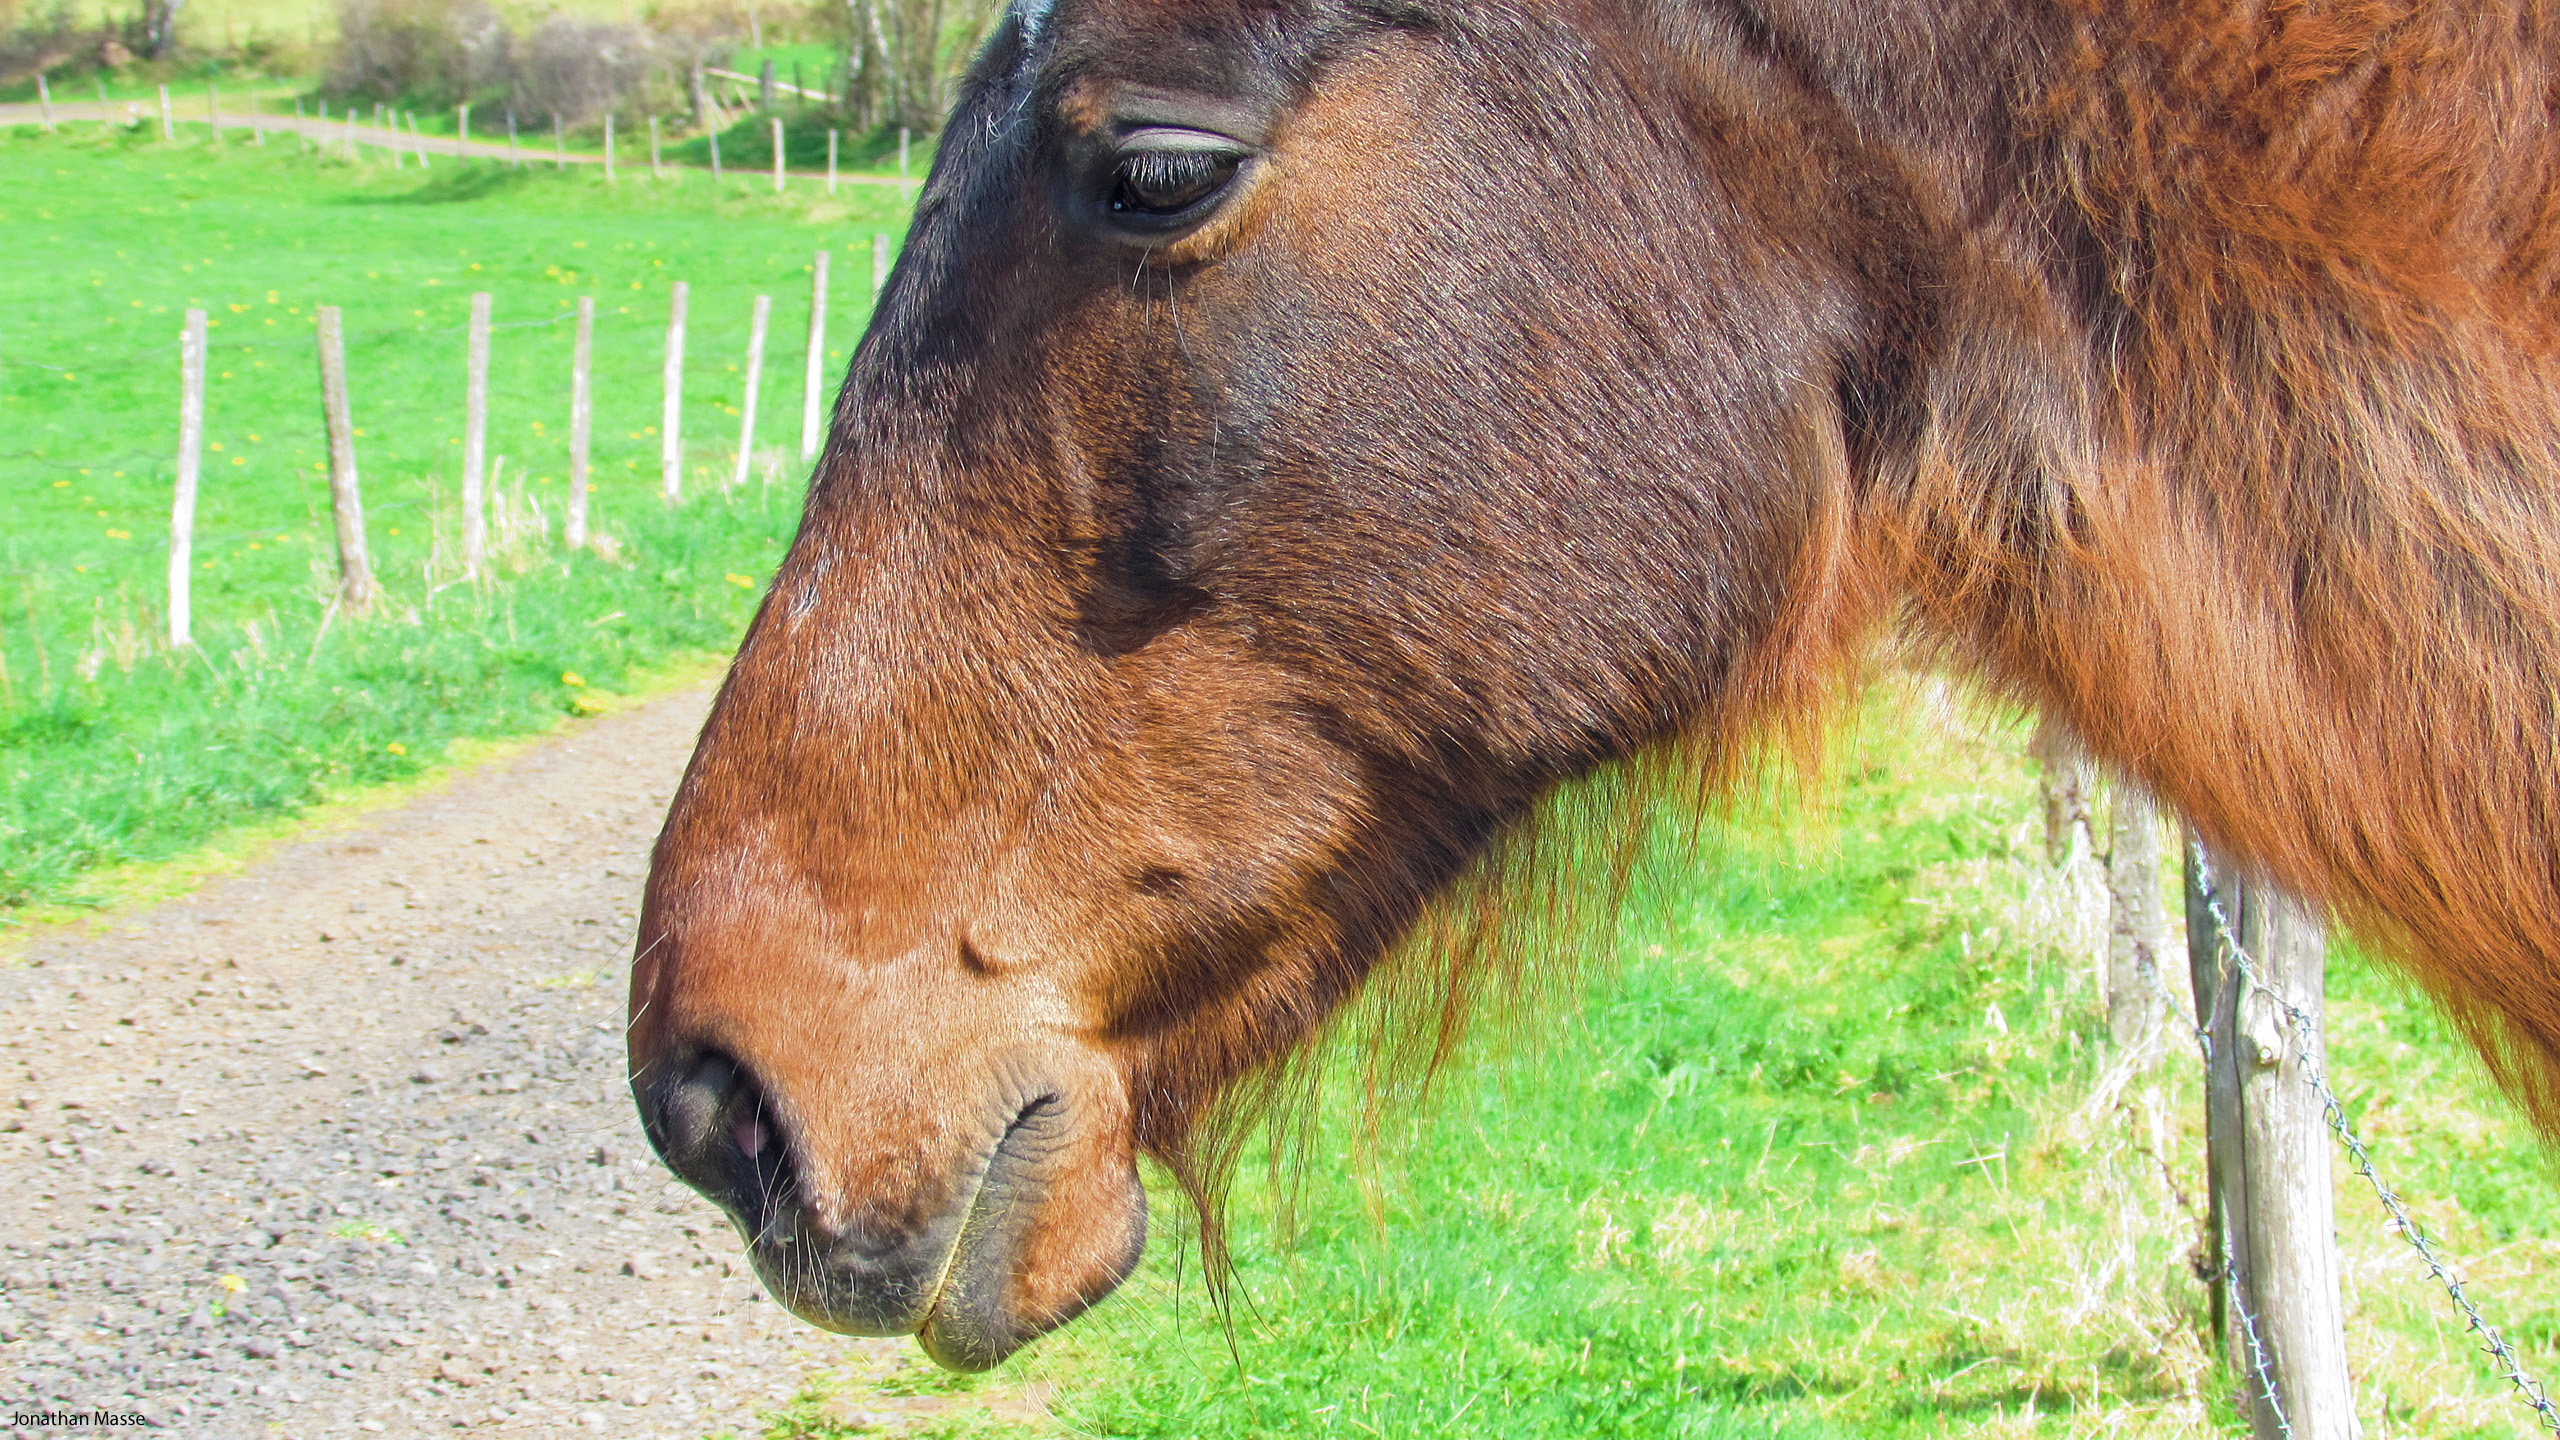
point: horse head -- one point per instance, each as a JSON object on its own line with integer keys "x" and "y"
{"x": 1300, "y": 435}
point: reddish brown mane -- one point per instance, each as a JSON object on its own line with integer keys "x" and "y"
{"x": 2291, "y": 559}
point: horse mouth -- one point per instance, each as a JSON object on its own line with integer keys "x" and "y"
{"x": 974, "y": 1279}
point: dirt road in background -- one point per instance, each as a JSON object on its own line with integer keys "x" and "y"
{"x": 341, "y": 1144}
{"x": 536, "y": 151}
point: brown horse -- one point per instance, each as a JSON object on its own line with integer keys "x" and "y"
{"x": 1303, "y": 434}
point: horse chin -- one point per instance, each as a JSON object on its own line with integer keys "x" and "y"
{"x": 1046, "y": 1233}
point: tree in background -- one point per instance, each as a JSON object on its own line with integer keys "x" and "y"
{"x": 903, "y": 57}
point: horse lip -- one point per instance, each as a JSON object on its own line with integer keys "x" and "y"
{"x": 884, "y": 1305}
{"x": 969, "y": 1229}
{"x": 974, "y": 1350}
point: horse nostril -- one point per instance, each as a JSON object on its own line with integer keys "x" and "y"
{"x": 690, "y": 1109}
{"x": 710, "y": 1124}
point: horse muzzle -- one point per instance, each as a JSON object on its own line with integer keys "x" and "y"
{"x": 1016, "y": 1235}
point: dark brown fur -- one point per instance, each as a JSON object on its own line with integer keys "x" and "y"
{"x": 1175, "y": 624}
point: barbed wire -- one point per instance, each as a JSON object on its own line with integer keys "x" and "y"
{"x": 2304, "y": 1032}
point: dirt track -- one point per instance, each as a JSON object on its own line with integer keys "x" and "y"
{"x": 329, "y": 134}
{"x": 378, "y": 1079}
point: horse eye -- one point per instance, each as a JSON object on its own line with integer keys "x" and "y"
{"x": 1157, "y": 184}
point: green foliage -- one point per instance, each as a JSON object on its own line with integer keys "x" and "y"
{"x": 113, "y": 747}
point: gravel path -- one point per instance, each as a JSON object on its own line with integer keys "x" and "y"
{"x": 536, "y": 151}
{"x": 341, "y": 1144}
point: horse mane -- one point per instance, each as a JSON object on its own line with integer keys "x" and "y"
{"x": 2283, "y": 549}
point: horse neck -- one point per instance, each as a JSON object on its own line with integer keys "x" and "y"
{"x": 2239, "y": 435}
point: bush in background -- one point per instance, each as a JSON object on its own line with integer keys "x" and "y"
{"x": 443, "y": 53}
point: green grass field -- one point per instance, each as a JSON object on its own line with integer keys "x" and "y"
{"x": 114, "y": 749}
{"x": 1828, "y": 1158}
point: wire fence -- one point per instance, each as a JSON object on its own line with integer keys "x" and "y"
{"x": 2301, "y": 1031}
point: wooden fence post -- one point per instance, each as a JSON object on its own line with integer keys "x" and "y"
{"x": 670, "y": 448}
{"x": 755, "y": 378}
{"x": 715, "y": 155}
{"x": 2137, "y": 928}
{"x": 168, "y": 130}
{"x": 346, "y": 504}
{"x": 831, "y": 159}
{"x": 777, "y": 151}
{"x": 559, "y": 144}
{"x": 182, "y": 510}
{"x": 581, "y": 421}
{"x": 879, "y": 267}
{"x": 902, "y": 161}
{"x": 44, "y": 99}
{"x": 515, "y": 157}
{"x": 2273, "y": 1212}
{"x": 462, "y": 122}
{"x": 608, "y": 147}
{"x": 809, "y": 408}
{"x": 475, "y": 442}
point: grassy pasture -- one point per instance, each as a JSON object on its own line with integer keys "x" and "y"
{"x": 112, "y": 749}
{"x": 1829, "y": 1157}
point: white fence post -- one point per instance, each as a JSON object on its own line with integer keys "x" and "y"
{"x": 581, "y": 423}
{"x": 755, "y": 384}
{"x": 670, "y": 447}
{"x": 346, "y": 505}
{"x": 809, "y": 401}
{"x": 2267, "y": 1142}
{"x": 182, "y": 510}
{"x": 475, "y": 442}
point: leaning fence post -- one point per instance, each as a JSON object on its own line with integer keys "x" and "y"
{"x": 475, "y": 441}
{"x": 182, "y": 510}
{"x": 2280, "y": 1310}
{"x": 817, "y": 370}
{"x": 755, "y": 378}
{"x": 670, "y": 448}
{"x": 44, "y": 98}
{"x": 2137, "y": 930}
{"x": 346, "y": 505}
{"x": 581, "y": 417}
